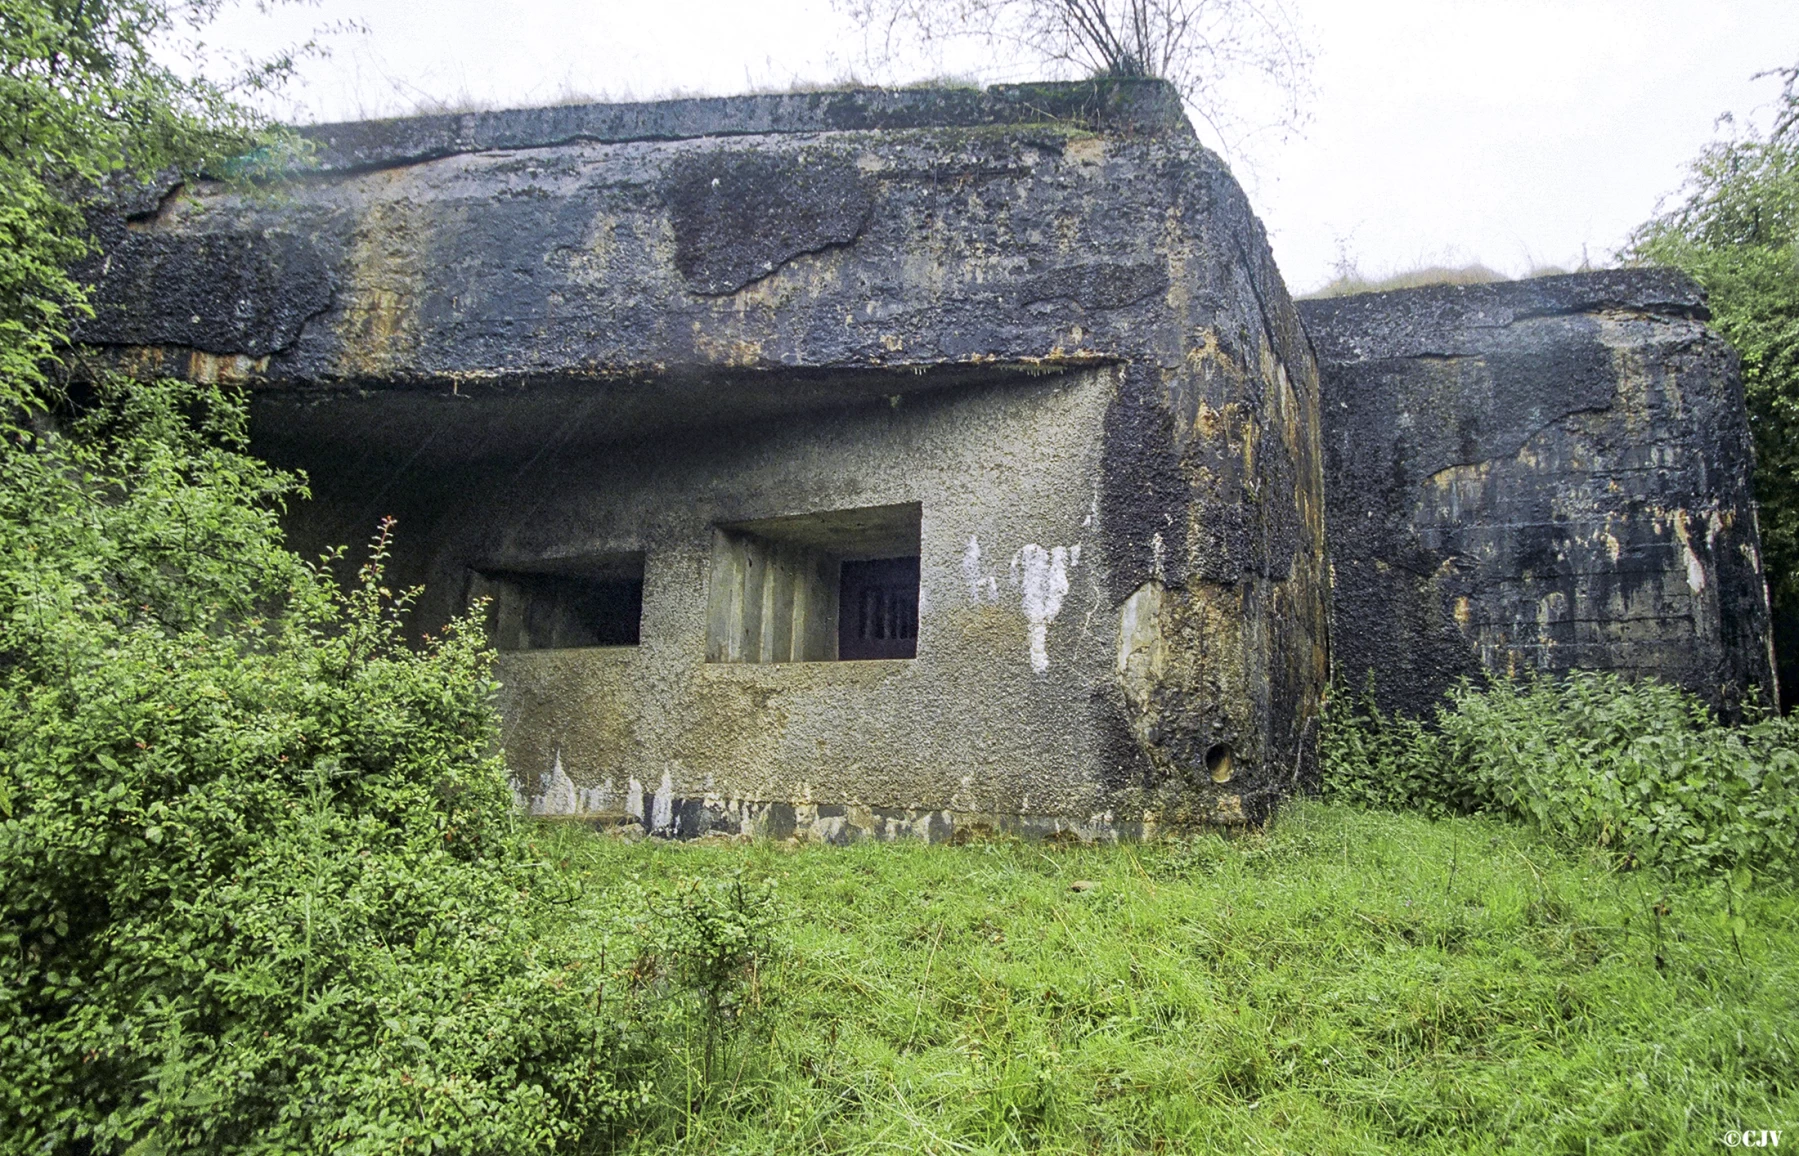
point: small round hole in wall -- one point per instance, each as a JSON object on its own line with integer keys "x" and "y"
{"x": 1218, "y": 763}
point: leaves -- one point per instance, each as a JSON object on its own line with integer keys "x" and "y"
{"x": 95, "y": 96}
{"x": 232, "y": 915}
{"x": 199, "y": 939}
{"x": 225, "y": 877}
{"x": 1639, "y": 769}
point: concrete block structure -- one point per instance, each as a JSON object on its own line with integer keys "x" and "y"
{"x": 833, "y": 465}
{"x": 1539, "y": 476}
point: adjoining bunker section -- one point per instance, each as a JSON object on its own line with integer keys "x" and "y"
{"x": 831, "y": 465}
{"x": 1539, "y": 476}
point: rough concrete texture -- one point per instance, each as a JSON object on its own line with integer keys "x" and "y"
{"x": 1043, "y": 314}
{"x": 1536, "y": 476}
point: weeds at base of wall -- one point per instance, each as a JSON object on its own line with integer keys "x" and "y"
{"x": 1640, "y": 770}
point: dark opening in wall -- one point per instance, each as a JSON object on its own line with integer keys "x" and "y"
{"x": 1219, "y": 763}
{"x": 878, "y": 609}
{"x": 842, "y": 584}
{"x": 564, "y": 604}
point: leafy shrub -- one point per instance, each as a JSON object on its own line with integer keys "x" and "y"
{"x": 261, "y": 885}
{"x": 1376, "y": 759}
{"x": 1641, "y": 769}
{"x": 262, "y": 888}
{"x": 719, "y": 932}
{"x": 703, "y": 945}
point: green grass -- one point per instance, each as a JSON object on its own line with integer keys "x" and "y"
{"x": 1349, "y": 282}
{"x": 1350, "y": 981}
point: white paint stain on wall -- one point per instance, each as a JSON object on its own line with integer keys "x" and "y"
{"x": 662, "y": 807}
{"x": 1042, "y": 574}
{"x": 1695, "y": 568}
{"x": 981, "y": 587}
{"x": 561, "y": 796}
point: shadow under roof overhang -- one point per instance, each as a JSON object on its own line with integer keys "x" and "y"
{"x": 508, "y": 419}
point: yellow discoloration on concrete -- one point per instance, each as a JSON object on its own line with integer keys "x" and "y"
{"x": 1177, "y": 246}
{"x": 144, "y": 361}
{"x": 738, "y": 354}
{"x": 1142, "y": 656}
{"x": 378, "y": 326}
{"x": 1695, "y": 569}
{"x": 592, "y": 264}
{"x": 1208, "y": 422}
{"x": 1192, "y": 640}
{"x": 224, "y": 369}
{"x": 1089, "y": 150}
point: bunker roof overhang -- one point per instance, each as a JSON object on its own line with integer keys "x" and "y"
{"x": 511, "y": 419}
{"x": 621, "y": 269}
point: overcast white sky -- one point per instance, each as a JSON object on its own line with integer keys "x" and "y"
{"x": 1519, "y": 134}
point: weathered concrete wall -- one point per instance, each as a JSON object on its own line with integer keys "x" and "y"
{"x": 1538, "y": 476}
{"x": 992, "y": 722}
{"x": 542, "y": 332}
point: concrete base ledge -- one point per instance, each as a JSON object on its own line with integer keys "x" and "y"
{"x": 839, "y": 824}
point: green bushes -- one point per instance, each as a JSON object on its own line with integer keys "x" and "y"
{"x": 1641, "y": 769}
{"x": 262, "y": 887}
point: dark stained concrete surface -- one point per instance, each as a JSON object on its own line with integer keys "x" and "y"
{"x": 1537, "y": 476}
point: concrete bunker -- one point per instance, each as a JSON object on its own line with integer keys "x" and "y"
{"x": 885, "y": 463}
{"x": 835, "y": 464}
